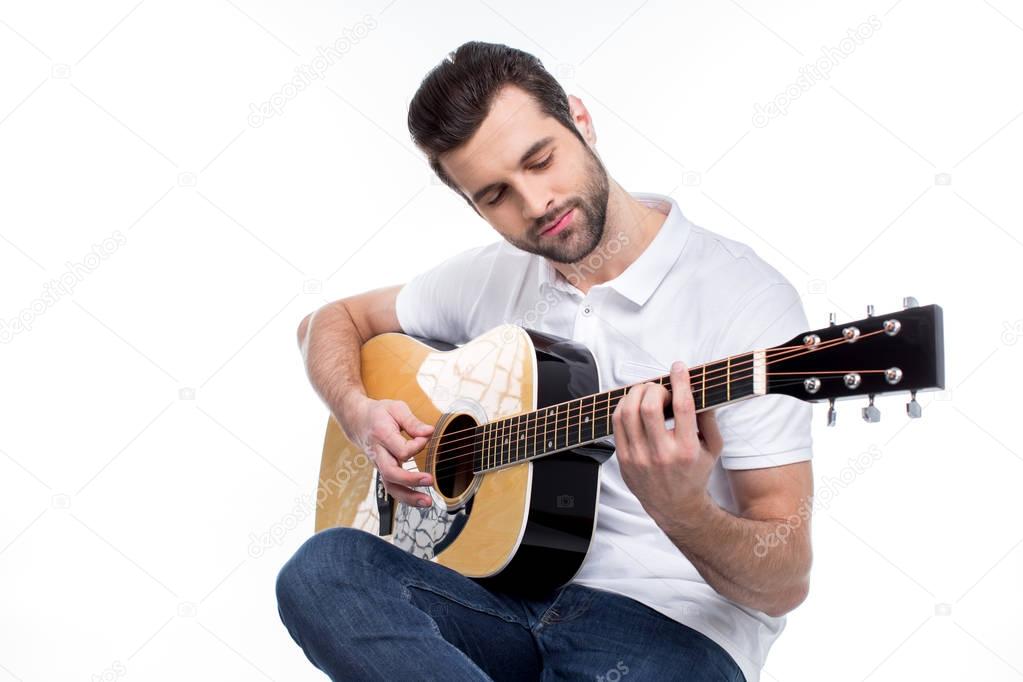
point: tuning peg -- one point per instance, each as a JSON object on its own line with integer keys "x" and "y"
{"x": 831, "y": 319}
{"x": 870, "y": 311}
{"x": 909, "y": 302}
{"x": 913, "y": 408}
{"x": 870, "y": 413}
{"x": 832, "y": 415}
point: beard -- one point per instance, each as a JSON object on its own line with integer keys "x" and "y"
{"x": 589, "y": 222}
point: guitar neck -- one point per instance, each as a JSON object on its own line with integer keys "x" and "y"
{"x": 570, "y": 424}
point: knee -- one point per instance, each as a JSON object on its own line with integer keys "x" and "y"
{"x": 327, "y": 557}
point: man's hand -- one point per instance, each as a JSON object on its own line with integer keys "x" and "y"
{"x": 666, "y": 470}
{"x": 375, "y": 427}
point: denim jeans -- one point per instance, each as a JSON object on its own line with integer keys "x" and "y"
{"x": 363, "y": 609}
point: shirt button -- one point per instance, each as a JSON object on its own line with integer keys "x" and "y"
{"x": 587, "y": 309}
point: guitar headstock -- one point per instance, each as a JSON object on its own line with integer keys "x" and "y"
{"x": 890, "y": 353}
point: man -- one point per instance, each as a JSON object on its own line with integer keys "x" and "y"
{"x": 696, "y": 557}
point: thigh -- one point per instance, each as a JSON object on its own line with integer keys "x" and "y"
{"x": 601, "y": 635}
{"x": 375, "y": 578}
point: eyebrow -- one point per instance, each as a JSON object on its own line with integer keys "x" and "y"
{"x": 533, "y": 149}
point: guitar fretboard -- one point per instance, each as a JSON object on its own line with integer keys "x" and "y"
{"x": 584, "y": 420}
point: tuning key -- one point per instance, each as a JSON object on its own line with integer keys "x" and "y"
{"x": 832, "y": 415}
{"x": 870, "y": 413}
{"x": 870, "y": 311}
{"x": 831, "y": 319}
{"x": 913, "y": 408}
{"x": 909, "y": 302}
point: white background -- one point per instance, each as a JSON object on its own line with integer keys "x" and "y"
{"x": 155, "y": 418}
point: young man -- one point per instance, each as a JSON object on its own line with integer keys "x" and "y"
{"x": 681, "y": 580}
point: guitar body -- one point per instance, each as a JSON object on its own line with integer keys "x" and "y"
{"x": 524, "y": 528}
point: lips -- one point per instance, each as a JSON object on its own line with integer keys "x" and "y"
{"x": 557, "y": 225}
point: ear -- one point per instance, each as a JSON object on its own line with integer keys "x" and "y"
{"x": 581, "y": 118}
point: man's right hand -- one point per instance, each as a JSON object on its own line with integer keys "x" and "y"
{"x": 375, "y": 427}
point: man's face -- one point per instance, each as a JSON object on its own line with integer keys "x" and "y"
{"x": 534, "y": 181}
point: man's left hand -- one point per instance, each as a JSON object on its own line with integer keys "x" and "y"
{"x": 666, "y": 470}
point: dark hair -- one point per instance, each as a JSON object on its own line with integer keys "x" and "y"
{"x": 455, "y": 97}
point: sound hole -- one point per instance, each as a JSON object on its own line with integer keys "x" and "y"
{"x": 453, "y": 468}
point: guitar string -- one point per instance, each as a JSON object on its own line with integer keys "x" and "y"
{"x": 454, "y": 454}
{"x": 696, "y": 384}
{"x": 451, "y": 460}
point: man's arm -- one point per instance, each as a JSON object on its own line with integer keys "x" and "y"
{"x": 668, "y": 472}
{"x": 760, "y": 558}
{"x": 331, "y": 341}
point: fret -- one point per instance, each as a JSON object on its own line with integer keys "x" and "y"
{"x": 503, "y": 452}
{"x": 477, "y": 447}
{"x": 513, "y": 449}
{"x": 607, "y": 417}
{"x": 579, "y": 422}
{"x": 552, "y": 429}
{"x": 525, "y": 443}
{"x": 490, "y": 444}
{"x": 703, "y": 389}
{"x": 517, "y": 450}
{"x": 728, "y": 379}
{"x": 484, "y": 453}
{"x": 559, "y": 427}
{"x": 586, "y": 409}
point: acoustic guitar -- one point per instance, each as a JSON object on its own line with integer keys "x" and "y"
{"x": 521, "y": 428}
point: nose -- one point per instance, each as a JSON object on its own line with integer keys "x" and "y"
{"x": 536, "y": 200}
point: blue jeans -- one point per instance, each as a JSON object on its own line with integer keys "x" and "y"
{"x": 363, "y": 609}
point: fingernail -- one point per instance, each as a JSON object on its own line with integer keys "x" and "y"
{"x": 425, "y": 480}
{"x": 424, "y": 503}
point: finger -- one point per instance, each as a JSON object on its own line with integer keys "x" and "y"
{"x": 413, "y": 425}
{"x": 622, "y": 444}
{"x": 632, "y": 422}
{"x": 711, "y": 432}
{"x": 655, "y": 434}
{"x": 400, "y": 447}
{"x": 407, "y": 495}
{"x": 395, "y": 474}
{"x": 683, "y": 407}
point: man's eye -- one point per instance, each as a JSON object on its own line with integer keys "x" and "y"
{"x": 543, "y": 164}
{"x": 497, "y": 197}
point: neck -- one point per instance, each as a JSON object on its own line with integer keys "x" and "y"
{"x": 629, "y": 228}
{"x": 567, "y": 425}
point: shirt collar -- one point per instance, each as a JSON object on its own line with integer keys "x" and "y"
{"x": 639, "y": 280}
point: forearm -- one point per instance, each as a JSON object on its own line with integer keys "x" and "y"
{"x": 731, "y": 554}
{"x": 331, "y": 345}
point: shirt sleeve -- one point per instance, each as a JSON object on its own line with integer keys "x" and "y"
{"x": 769, "y": 430}
{"x": 438, "y": 303}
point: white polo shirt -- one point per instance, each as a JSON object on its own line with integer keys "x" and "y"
{"x": 692, "y": 295}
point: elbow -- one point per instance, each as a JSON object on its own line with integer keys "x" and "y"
{"x": 787, "y": 600}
